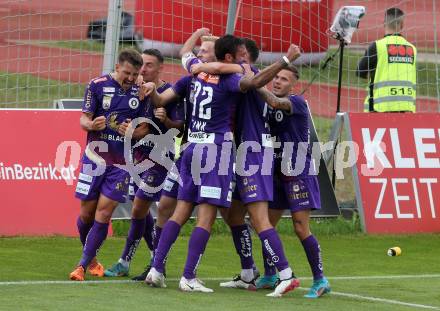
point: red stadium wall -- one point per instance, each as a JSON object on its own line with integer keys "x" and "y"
{"x": 38, "y": 198}
{"x": 272, "y": 24}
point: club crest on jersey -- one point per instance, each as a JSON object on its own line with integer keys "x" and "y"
{"x": 295, "y": 188}
{"x": 133, "y": 103}
{"x": 106, "y": 101}
{"x": 279, "y": 116}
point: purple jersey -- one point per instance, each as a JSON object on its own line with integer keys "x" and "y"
{"x": 105, "y": 97}
{"x": 252, "y": 119}
{"x": 187, "y": 62}
{"x": 215, "y": 99}
{"x": 184, "y": 88}
{"x": 174, "y": 112}
{"x": 293, "y": 131}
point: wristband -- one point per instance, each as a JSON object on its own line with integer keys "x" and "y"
{"x": 286, "y": 60}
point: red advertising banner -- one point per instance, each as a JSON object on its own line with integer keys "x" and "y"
{"x": 39, "y": 159}
{"x": 398, "y": 170}
{"x": 272, "y": 24}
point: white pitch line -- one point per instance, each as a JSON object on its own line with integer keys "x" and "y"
{"x": 367, "y": 277}
{"x": 375, "y": 299}
{"x": 354, "y": 296}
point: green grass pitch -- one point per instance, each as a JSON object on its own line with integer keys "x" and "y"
{"x": 362, "y": 276}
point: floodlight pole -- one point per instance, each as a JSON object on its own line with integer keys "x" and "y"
{"x": 338, "y": 105}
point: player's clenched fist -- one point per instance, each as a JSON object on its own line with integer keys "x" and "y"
{"x": 122, "y": 128}
{"x": 161, "y": 114}
{"x": 146, "y": 89}
{"x": 98, "y": 124}
{"x": 203, "y": 32}
{"x": 293, "y": 52}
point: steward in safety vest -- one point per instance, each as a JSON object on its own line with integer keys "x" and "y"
{"x": 390, "y": 63}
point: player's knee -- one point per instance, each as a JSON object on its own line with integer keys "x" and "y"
{"x": 139, "y": 211}
{"x": 205, "y": 223}
{"x": 87, "y": 216}
{"x": 179, "y": 218}
{"x": 302, "y": 231}
{"x": 165, "y": 211}
{"x": 104, "y": 215}
{"x": 235, "y": 220}
{"x": 261, "y": 225}
{"x": 225, "y": 213}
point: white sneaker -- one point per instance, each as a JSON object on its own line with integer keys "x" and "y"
{"x": 155, "y": 278}
{"x": 193, "y": 285}
{"x": 237, "y": 282}
{"x": 284, "y": 286}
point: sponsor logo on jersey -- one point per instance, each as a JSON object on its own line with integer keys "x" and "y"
{"x": 267, "y": 140}
{"x": 106, "y": 101}
{"x": 99, "y": 80}
{"x": 82, "y": 188}
{"x": 298, "y": 196}
{"x": 88, "y": 98}
{"x": 214, "y": 79}
{"x": 210, "y": 192}
{"x": 168, "y": 185}
{"x": 401, "y": 54}
{"x": 112, "y": 121}
{"x": 108, "y": 89}
{"x": 201, "y": 137}
{"x": 85, "y": 177}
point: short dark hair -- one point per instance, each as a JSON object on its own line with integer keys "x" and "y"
{"x": 131, "y": 56}
{"x": 394, "y": 18}
{"x": 154, "y": 52}
{"x": 228, "y": 44}
{"x": 293, "y": 70}
{"x": 252, "y": 48}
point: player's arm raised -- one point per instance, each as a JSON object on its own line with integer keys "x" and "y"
{"x": 89, "y": 124}
{"x": 282, "y": 103}
{"x": 267, "y": 74}
{"x": 192, "y": 41}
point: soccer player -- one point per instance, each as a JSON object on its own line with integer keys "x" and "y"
{"x": 206, "y": 52}
{"x": 214, "y": 102}
{"x": 142, "y": 223}
{"x": 250, "y": 127}
{"x": 110, "y": 103}
{"x": 296, "y": 184}
{"x": 168, "y": 199}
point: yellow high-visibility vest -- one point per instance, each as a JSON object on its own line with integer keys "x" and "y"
{"x": 394, "y": 86}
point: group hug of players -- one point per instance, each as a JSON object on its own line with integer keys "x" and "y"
{"x": 254, "y": 142}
